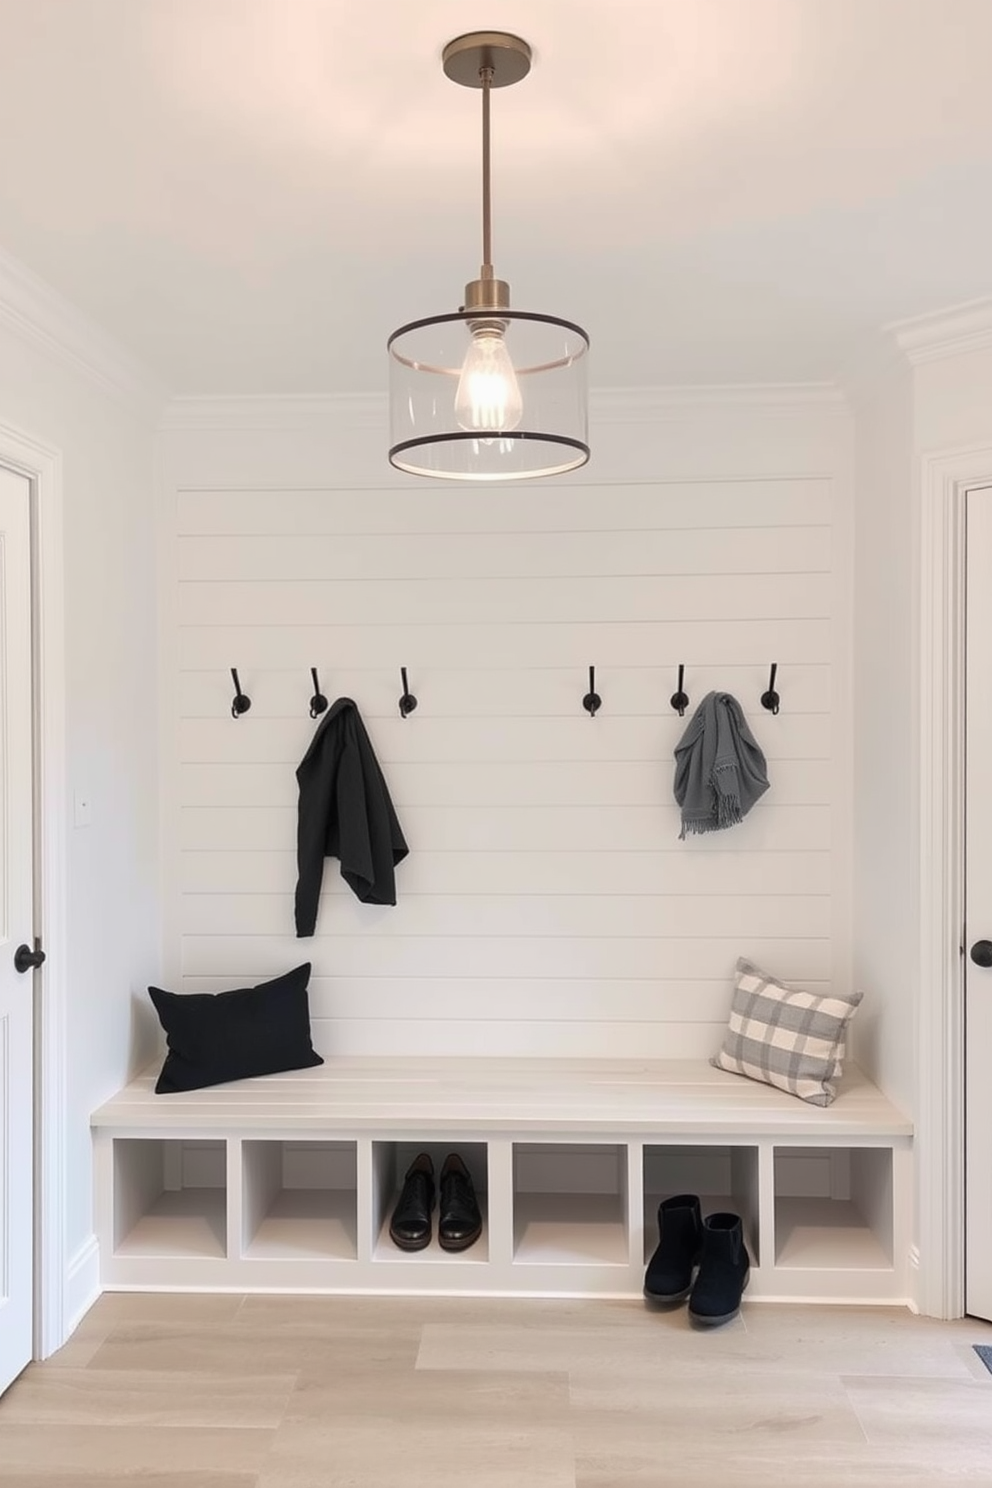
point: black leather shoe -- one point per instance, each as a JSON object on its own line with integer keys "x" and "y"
{"x": 410, "y": 1226}
{"x": 459, "y": 1222}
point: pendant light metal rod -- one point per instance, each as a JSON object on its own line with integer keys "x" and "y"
{"x": 486, "y": 73}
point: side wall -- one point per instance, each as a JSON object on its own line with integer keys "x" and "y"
{"x": 930, "y": 396}
{"x": 112, "y": 865}
{"x": 952, "y": 431}
{"x": 886, "y": 855}
{"x": 547, "y": 905}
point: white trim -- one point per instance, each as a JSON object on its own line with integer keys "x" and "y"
{"x": 39, "y": 314}
{"x": 842, "y": 837}
{"x": 82, "y": 1284}
{"x": 280, "y": 412}
{"x": 947, "y": 333}
{"x": 913, "y": 1273}
{"x": 170, "y": 849}
{"x": 606, "y": 405}
{"x": 945, "y": 477}
{"x": 43, "y": 467}
{"x": 650, "y": 405}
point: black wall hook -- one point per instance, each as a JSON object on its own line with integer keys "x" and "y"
{"x": 771, "y": 699}
{"x": 407, "y": 702}
{"x": 678, "y": 698}
{"x": 318, "y": 703}
{"x": 592, "y": 699}
{"x": 241, "y": 702}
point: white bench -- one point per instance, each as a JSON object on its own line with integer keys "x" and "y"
{"x": 287, "y": 1182}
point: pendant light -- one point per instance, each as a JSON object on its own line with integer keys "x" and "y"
{"x": 487, "y": 393}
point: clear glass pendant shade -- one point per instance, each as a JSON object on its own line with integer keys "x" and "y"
{"x": 493, "y": 399}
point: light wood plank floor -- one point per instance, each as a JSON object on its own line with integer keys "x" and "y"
{"x": 373, "y": 1392}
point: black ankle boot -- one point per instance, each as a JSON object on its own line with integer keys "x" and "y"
{"x": 723, "y": 1271}
{"x": 680, "y": 1228}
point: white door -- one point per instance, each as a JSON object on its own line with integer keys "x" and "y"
{"x": 16, "y": 929}
{"x": 978, "y": 908}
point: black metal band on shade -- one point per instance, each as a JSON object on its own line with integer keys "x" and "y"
{"x": 469, "y": 315}
{"x": 429, "y": 441}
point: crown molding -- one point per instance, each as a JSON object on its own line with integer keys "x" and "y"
{"x": 954, "y": 331}
{"x": 37, "y": 313}
{"x": 350, "y": 411}
{"x": 281, "y": 411}
{"x": 895, "y": 349}
{"x": 660, "y": 404}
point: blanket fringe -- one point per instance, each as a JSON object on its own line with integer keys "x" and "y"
{"x": 697, "y": 827}
{"x": 728, "y": 811}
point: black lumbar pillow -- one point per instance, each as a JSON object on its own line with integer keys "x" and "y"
{"x": 218, "y": 1036}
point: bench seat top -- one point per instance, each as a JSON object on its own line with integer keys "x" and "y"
{"x": 608, "y": 1097}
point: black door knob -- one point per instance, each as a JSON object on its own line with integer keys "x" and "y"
{"x": 981, "y": 953}
{"x": 25, "y": 959}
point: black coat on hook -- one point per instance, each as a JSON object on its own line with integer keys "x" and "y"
{"x": 345, "y": 812}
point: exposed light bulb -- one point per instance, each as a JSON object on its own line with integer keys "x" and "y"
{"x": 488, "y": 397}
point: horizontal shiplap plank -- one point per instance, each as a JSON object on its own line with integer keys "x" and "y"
{"x": 644, "y": 915}
{"x": 409, "y": 1038}
{"x": 535, "y": 957}
{"x": 541, "y": 783}
{"x": 566, "y": 508}
{"x": 377, "y": 641}
{"x": 477, "y": 740}
{"x": 510, "y": 601}
{"x": 668, "y": 871}
{"x": 523, "y": 1000}
{"x": 612, "y": 1001}
{"x": 472, "y": 693}
{"x": 293, "y": 557}
{"x": 520, "y": 828}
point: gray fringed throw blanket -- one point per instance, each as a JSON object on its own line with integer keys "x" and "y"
{"x": 719, "y": 769}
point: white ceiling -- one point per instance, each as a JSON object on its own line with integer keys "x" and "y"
{"x": 250, "y": 194}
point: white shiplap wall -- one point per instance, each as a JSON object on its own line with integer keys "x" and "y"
{"x": 547, "y": 905}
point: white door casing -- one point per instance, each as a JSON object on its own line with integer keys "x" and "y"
{"x": 945, "y": 478}
{"x": 58, "y": 1300}
{"x": 978, "y": 906}
{"x": 16, "y": 927}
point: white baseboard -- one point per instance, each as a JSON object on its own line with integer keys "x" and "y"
{"x": 913, "y": 1268}
{"x": 82, "y": 1285}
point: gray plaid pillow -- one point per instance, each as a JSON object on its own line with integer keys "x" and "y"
{"x": 791, "y": 1039}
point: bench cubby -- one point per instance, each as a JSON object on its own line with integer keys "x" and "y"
{"x": 287, "y": 1183}
{"x": 725, "y": 1178}
{"x": 299, "y": 1199}
{"x": 570, "y": 1204}
{"x": 390, "y": 1161}
{"x": 169, "y": 1199}
{"x": 833, "y": 1207}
